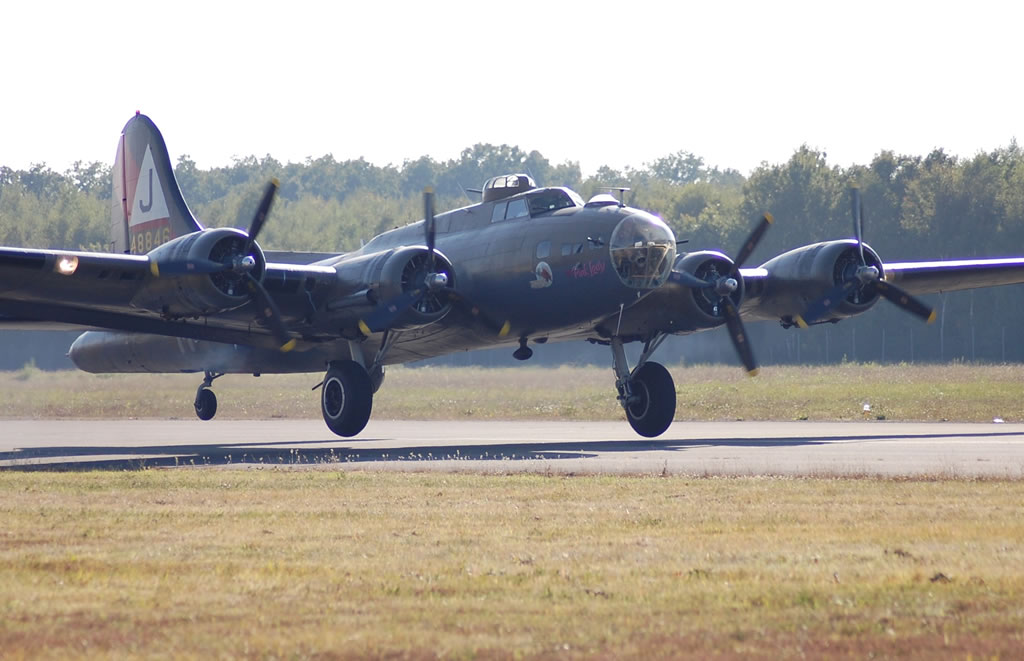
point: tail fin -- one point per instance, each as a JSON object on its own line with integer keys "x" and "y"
{"x": 147, "y": 206}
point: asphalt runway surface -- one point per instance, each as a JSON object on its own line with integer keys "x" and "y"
{"x": 701, "y": 448}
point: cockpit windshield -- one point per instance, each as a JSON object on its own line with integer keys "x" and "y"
{"x": 553, "y": 199}
{"x": 643, "y": 249}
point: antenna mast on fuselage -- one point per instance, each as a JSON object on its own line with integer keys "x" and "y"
{"x": 622, "y": 192}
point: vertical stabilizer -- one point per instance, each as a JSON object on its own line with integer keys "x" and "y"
{"x": 147, "y": 208}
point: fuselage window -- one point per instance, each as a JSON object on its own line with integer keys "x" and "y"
{"x": 566, "y": 249}
{"x": 543, "y": 249}
{"x": 499, "y": 212}
{"x": 517, "y": 209}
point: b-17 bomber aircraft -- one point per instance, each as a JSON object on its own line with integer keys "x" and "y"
{"x": 524, "y": 265}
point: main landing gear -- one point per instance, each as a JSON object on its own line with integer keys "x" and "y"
{"x": 346, "y": 393}
{"x": 346, "y": 397}
{"x": 647, "y": 392}
{"x": 206, "y": 401}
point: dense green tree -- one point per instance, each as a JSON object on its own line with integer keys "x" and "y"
{"x": 916, "y": 207}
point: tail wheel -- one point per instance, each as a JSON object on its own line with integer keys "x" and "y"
{"x": 346, "y": 398}
{"x": 654, "y": 406}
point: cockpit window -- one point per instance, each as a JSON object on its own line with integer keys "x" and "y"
{"x": 499, "y": 212}
{"x": 516, "y": 209}
{"x": 551, "y": 200}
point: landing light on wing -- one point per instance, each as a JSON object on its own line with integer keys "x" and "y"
{"x": 67, "y": 265}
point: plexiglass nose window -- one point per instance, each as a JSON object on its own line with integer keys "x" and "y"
{"x": 642, "y": 250}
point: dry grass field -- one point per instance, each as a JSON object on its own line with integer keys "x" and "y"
{"x": 325, "y": 565}
{"x": 293, "y": 564}
{"x": 962, "y": 393}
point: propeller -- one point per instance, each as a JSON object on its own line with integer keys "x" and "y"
{"x": 865, "y": 276}
{"x": 433, "y": 283}
{"x": 725, "y": 285}
{"x": 240, "y": 265}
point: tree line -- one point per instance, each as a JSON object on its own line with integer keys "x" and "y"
{"x": 917, "y": 207}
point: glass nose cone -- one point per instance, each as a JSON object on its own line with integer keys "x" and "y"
{"x": 643, "y": 249}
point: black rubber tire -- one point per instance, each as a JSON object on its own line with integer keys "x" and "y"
{"x": 655, "y": 407}
{"x": 206, "y": 404}
{"x": 346, "y": 398}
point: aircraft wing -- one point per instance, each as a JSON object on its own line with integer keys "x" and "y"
{"x": 953, "y": 275}
{"x": 48, "y": 288}
{"x": 783, "y": 287}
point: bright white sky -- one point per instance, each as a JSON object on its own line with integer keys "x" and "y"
{"x": 616, "y": 83}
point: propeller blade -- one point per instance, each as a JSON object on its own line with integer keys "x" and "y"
{"x": 738, "y": 335}
{"x": 500, "y": 329}
{"x": 187, "y": 267}
{"x": 261, "y": 213}
{"x": 384, "y": 315}
{"x": 753, "y": 240}
{"x": 428, "y": 216}
{"x": 690, "y": 280}
{"x": 428, "y": 222}
{"x": 271, "y": 314}
{"x": 858, "y": 221}
{"x": 902, "y": 299}
{"x": 825, "y": 304}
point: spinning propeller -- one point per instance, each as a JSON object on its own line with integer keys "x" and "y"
{"x": 428, "y": 283}
{"x": 725, "y": 285}
{"x": 865, "y": 277}
{"x": 238, "y": 266}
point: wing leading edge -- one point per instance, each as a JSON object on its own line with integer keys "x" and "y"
{"x": 97, "y": 290}
{"x": 954, "y": 275}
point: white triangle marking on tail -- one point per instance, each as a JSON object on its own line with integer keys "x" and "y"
{"x": 149, "y": 203}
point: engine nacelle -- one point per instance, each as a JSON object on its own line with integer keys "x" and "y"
{"x": 200, "y": 294}
{"x": 698, "y": 308}
{"x": 802, "y": 276}
{"x": 677, "y": 308}
{"x": 381, "y": 277}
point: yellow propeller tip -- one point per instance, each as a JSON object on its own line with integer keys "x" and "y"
{"x": 275, "y": 181}
{"x": 505, "y": 329}
{"x": 154, "y": 269}
{"x": 770, "y": 218}
{"x": 428, "y": 189}
{"x": 754, "y": 372}
{"x": 800, "y": 322}
{"x": 363, "y": 328}
{"x": 288, "y": 346}
{"x": 932, "y": 317}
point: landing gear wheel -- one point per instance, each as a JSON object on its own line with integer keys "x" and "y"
{"x": 655, "y": 405}
{"x": 346, "y": 398}
{"x": 206, "y": 404}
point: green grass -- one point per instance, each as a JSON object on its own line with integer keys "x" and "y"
{"x": 958, "y": 392}
{"x": 318, "y": 564}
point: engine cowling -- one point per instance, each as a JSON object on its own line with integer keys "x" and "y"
{"x": 677, "y": 308}
{"x": 710, "y": 265}
{"x": 200, "y": 294}
{"x": 803, "y": 275}
{"x": 383, "y": 276}
{"x": 701, "y": 308}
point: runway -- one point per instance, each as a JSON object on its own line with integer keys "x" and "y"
{"x": 702, "y": 448}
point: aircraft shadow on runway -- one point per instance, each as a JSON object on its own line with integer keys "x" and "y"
{"x": 277, "y": 453}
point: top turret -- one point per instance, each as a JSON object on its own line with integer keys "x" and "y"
{"x": 498, "y": 188}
